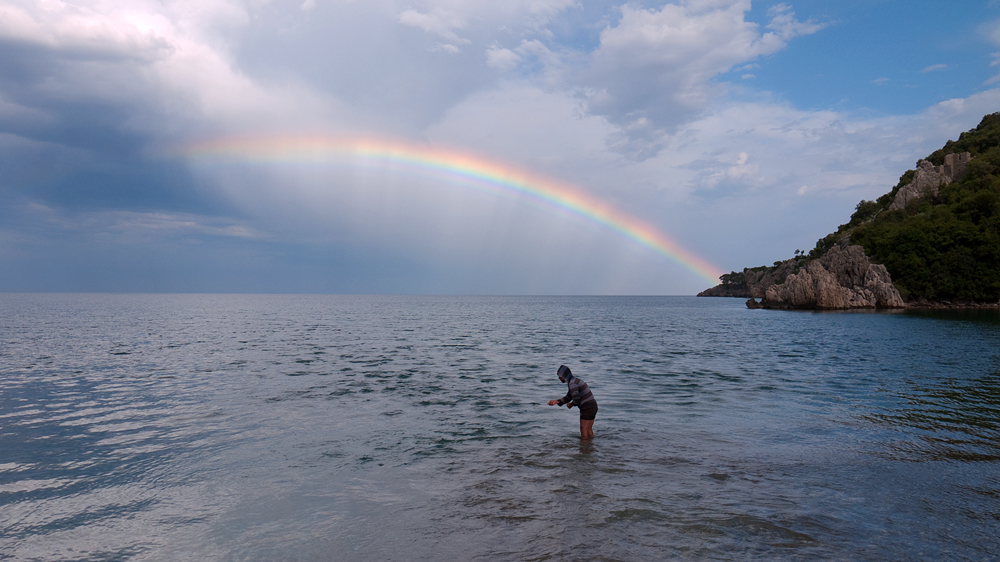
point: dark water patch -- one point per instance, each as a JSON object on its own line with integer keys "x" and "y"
{"x": 770, "y": 533}
{"x": 89, "y": 516}
{"x": 952, "y": 420}
{"x": 637, "y": 516}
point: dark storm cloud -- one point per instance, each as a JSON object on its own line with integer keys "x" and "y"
{"x": 69, "y": 116}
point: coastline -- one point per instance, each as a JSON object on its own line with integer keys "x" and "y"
{"x": 947, "y": 304}
{"x": 920, "y": 304}
{"x": 913, "y": 305}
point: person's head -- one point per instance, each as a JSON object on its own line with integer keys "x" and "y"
{"x": 564, "y": 373}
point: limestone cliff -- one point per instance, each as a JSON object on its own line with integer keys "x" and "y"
{"x": 758, "y": 280}
{"x": 844, "y": 278}
{"x": 929, "y": 179}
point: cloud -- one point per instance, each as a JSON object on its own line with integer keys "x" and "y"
{"x": 659, "y": 64}
{"x": 934, "y": 68}
{"x": 439, "y": 22}
{"x": 80, "y": 32}
{"x": 128, "y": 226}
{"x": 446, "y": 48}
{"x": 995, "y": 62}
{"x": 763, "y": 168}
{"x": 783, "y": 23}
{"x": 991, "y": 31}
{"x": 144, "y": 63}
{"x": 121, "y": 77}
{"x": 740, "y": 171}
{"x": 501, "y": 59}
{"x": 131, "y": 227}
{"x": 167, "y": 70}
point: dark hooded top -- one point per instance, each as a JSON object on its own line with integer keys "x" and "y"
{"x": 579, "y": 393}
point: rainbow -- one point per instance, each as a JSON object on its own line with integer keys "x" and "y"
{"x": 456, "y": 166}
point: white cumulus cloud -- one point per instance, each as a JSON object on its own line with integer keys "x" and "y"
{"x": 783, "y": 23}
{"x": 659, "y": 63}
{"x": 439, "y": 22}
{"x": 501, "y": 58}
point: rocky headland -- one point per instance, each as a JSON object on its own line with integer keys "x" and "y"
{"x": 931, "y": 242}
{"x": 843, "y": 278}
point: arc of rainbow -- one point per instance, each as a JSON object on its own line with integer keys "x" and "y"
{"x": 503, "y": 177}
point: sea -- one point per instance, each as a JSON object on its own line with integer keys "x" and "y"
{"x": 383, "y": 428}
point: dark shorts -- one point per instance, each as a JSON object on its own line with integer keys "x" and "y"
{"x": 589, "y": 413}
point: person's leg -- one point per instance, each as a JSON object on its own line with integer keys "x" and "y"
{"x": 587, "y": 429}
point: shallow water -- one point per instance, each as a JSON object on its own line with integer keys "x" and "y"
{"x": 236, "y": 427}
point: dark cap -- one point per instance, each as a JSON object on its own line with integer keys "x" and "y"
{"x": 564, "y": 373}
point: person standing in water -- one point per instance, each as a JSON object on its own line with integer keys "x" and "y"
{"x": 579, "y": 395}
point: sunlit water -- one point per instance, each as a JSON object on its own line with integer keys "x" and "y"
{"x": 194, "y": 427}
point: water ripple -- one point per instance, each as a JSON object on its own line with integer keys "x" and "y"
{"x": 235, "y": 427}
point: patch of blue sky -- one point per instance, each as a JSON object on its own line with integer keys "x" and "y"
{"x": 580, "y": 26}
{"x": 878, "y": 56}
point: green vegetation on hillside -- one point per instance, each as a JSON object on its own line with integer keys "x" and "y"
{"x": 941, "y": 248}
{"x": 946, "y": 248}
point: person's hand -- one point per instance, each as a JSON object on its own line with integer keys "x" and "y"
{"x": 570, "y": 405}
{"x": 552, "y": 402}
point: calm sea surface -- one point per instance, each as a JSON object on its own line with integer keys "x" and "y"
{"x": 239, "y": 427}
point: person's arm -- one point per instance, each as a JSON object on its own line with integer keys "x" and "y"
{"x": 565, "y": 400}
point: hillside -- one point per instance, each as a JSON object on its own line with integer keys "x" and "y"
{"x": 937, "y": 232}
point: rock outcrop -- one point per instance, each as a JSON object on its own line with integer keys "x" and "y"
{"x": 726, "y": 290}
{"x": 758, "y": 280}
{"x": 752, "y": 282}
{"x": 929, "y": 178}
{"x": 844, "y": 278}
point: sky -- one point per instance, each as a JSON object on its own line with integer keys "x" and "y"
{"x": 460, "y": 147}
